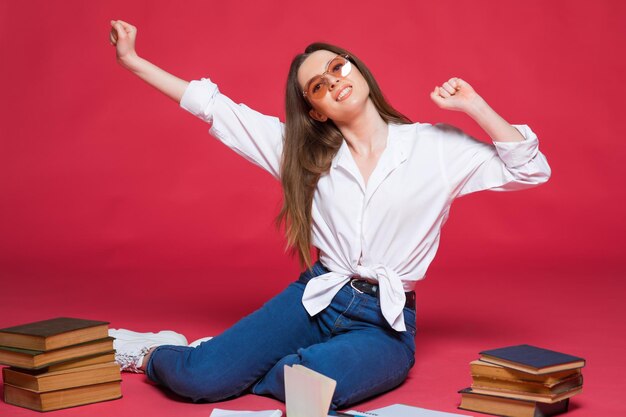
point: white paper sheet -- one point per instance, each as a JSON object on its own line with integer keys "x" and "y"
{"x": 401, "y": 410}
{"x": 217, "y": 412}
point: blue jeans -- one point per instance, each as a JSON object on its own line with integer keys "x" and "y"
{"x": 350, "y": 341}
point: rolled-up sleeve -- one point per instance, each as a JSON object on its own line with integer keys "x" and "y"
{"x": 470, "y": 165}
{"x": 255, "y": 136}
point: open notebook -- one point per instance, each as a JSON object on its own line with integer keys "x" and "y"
{"x": 401, "y": 410}
{"x": 309, "y": 393}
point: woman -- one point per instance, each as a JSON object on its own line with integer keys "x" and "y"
{"x": 362, "y": 184}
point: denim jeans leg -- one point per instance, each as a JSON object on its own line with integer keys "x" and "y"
{"x": 364, "y": 355}
{"x": 228, "y": 364}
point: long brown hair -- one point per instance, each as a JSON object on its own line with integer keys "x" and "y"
{"x": 309, "y": 149}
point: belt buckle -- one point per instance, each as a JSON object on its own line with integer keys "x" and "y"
{"x": 352, "y": 285}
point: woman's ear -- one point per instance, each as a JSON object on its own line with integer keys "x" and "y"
{"x": 317, "y": 115}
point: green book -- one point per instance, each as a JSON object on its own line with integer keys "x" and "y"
{"x": 53, "y": 333}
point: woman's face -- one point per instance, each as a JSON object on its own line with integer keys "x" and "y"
{"x": 346, "y": 96}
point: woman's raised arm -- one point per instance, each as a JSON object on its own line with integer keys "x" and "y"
{"x": 123, "y": 36}
{"x": 255, "y": 136}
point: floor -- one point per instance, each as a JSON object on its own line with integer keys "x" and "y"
{"x": 459, "y": 314}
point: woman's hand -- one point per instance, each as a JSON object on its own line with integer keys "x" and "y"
{"x": 455, "y": 94}
{"x": 123, "y": 36}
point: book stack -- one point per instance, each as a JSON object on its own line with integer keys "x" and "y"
{"x": 522, "y": 381}
{"x": 59, "y": 363}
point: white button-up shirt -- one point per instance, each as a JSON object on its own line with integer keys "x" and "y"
{"x": 387, "y": 231}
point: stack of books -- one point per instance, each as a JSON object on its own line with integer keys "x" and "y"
{"x": 522, "y": 381}
{"x": 59, "y": 363}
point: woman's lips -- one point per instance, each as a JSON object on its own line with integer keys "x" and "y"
{"x": 344, "y": 93}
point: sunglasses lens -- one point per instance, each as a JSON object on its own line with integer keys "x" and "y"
{"x": 339, "y": 67}
{"x": 317, "y": 87}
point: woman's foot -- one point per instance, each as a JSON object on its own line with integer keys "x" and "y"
{"x": 196, "y": 343}
{"x": 131, "y": 347}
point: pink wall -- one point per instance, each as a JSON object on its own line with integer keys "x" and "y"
{"x": 104, "y": 178}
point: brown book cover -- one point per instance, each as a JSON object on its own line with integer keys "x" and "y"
{"x": 520, "y": 395}
{"x": 483, "y": 369}
{"x": 83, "y": 361}
{"x": 528, "y": 386}
{"x": 509, "y": 407}
{"x": 55, "y": 400}
{"x": 53, "y": 333}
{"x": 34, "y": 359}
{"x": 67, "y": 378}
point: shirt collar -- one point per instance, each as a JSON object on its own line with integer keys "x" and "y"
{"x": 397, "y": 146}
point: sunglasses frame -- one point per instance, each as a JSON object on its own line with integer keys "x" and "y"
{"x": 348, "y": 61}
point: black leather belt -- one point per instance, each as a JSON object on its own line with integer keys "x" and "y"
{"x": 366, "y": 287}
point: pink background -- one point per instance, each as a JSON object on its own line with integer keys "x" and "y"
{"x": 117, "y": 205}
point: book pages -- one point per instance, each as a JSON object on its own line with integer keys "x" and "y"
{"x": 307, "y": 393}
